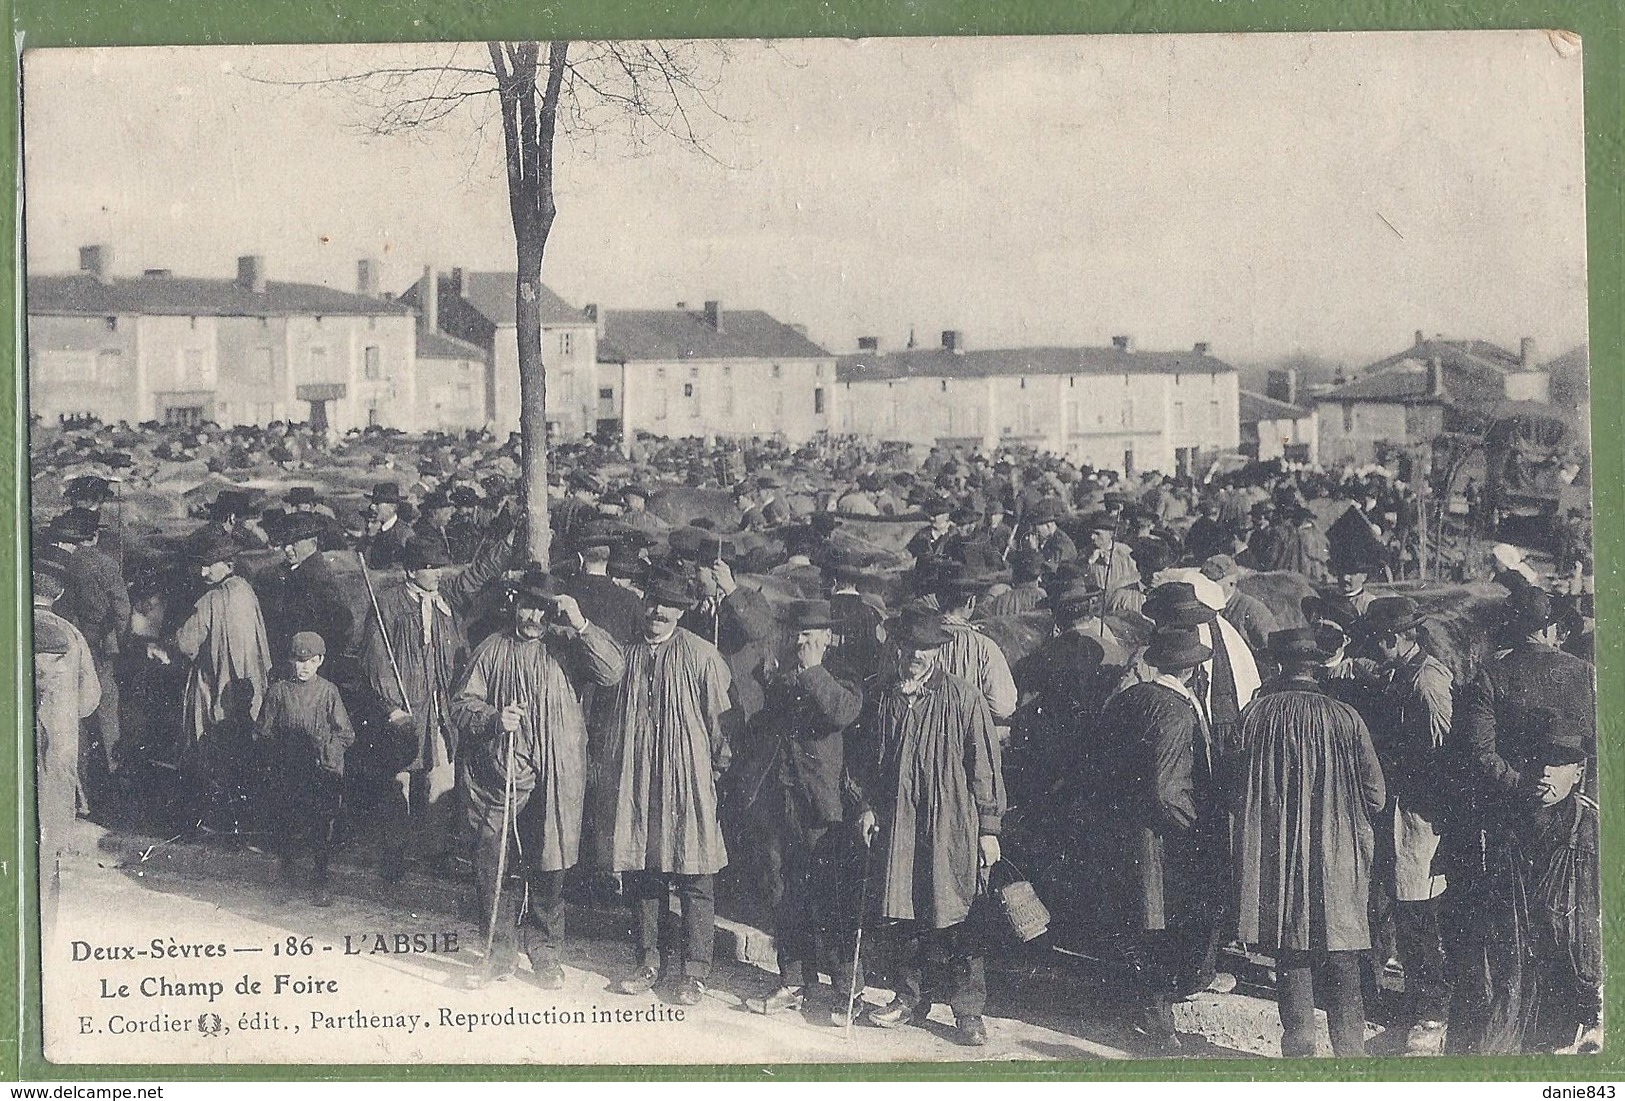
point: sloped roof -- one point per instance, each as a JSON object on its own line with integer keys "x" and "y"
{"x": 441, "y": 346}
{"x": 632, "y": 335}
{"x": 178, "y": 296}
{"x": 940, "y": 363}
{"x": 1570, "y": 375}
{"x": 1257, "y": 407}
{"x": 1397, "y": 384}
{"x": 491, "y": 294}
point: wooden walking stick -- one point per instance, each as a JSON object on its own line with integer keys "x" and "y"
{"x": 853, "y": 985}
{"x": 383, "y": 631}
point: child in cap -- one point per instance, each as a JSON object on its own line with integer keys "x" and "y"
{"x": 306, "y": 729}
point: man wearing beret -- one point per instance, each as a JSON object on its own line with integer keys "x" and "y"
{"x": 523, "y": 765}
{"x": 413, "y": 654}
{"x": 792, "y": 787}
{"x": 671, "y": 729}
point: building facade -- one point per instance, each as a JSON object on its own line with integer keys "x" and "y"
{"x": 233, "y": 351}
{"x": 1111, "y": 408}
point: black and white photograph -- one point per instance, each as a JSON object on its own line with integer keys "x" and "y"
{"x": 812, "y": 551}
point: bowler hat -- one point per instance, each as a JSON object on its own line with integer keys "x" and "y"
{"x": 437, "y": 498}
{"x": 669, "y": 589}
{"x": 807, "y": 615}
{"x": 1103, "y": 521}
{"x": 1296, "y": 644}
{"x": 626, "y": 559}
{"x": 696, "y": 544}
{"x": 385, "y": 493}
{"x": 425, "y": 552}
{"x": 307, "y": 644}
{"x": 1176, "y": 648}
{"x": 1078, "y": 598}
{"x": 49, "y": 561}
{"x": 937, "y": 506}
{"x": 1175, "y": 604}
{"x": 1388, "y": 615}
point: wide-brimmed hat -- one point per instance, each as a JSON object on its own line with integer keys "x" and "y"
{"x": 437, "y": 498}
{"x": 465, "y": 496}
{"x": 918, "y": 628}
{"x": 49, "y": 561}
{"x": 1297, "y": 644}
{"x": 385, "y": 493}
{"x": 1528, "y": 609}
{"x": 1103, "y": 521}
{"x": 937, "y": 506}
{"x": 294, "y": 526}
{"x": 77, "y": 525}
{"x": 89, "y": 486}
{"x": 807, "y": 615}
{"x": 301, "y": 495}
{"x": 425, "y": 552}
{"x": 1043, "y": 512}
{"x": 1176, "y": 648}
{"x": 670, "y": 589}
{"x": 213, "y": 546}
{"x": 1080, "y": 597}
{"x": 1175, "y": 604}
{"x": 231, "y": 502}
{"x": 626, "y": 559}
{"x": 535, "y": 587}
{"x": 697, "y": 544}
{"x": 1388, "y": 615}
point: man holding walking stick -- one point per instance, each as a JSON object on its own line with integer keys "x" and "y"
{"x": 523, "y": 767}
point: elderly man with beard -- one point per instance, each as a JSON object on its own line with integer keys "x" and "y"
{"x": 673, "y": 748}
{"x": 523, "y": 765}
{"x": 413, "y": 655}
{"x": 926, "y": 778}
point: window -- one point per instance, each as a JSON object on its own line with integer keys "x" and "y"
{"x": 688, "y": 389}
{"x": 818, "y": 370}
{"x": 606, "y": 393}
{"x": 818, "y": 401}
{"x": 372, "y": 417}
{"x": 222, "y": 412}
{"x": 1348, "y": 419}
{"x": 944, "y": 386}
{"x": 191, "y": 323}
{"x": 192, "y": 367}
{"x": 778, "y": 371}
{"x": 109, "y": 367}
{"x": 112, "y": 324}
{"x": 259, "y": 367}
{"x": 374, "y": 360}
{"x": 567, "y": 344}
{"x": 693, "y": 372}
{"x": 1024, "y": 382}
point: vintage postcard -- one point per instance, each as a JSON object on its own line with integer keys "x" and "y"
{"x": 1050, "y": 548}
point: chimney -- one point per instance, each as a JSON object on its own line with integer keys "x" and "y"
{"x": 592, "y": 313}
{"x": 366, "y": 277}
{"x": 457, "y": 282}
{"x": 97, "y": 260}
{"x": 953, "y": 340}
{"x": 869, "y": 344}
{"x": 1528, "y": 353}
{"x": 251, "y": 273}
{"x": 1421, "y": 338}
{"x": 1123, "y": 343}
{"x": 1201, "y": 347}
{"x": 1282, "y": 385}
{"x": 429, "y": 301}
{"x": 1435, "y": 378}
{"x": 713, "y": 314}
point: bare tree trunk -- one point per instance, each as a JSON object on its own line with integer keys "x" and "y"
{"x": 529, "y": 121}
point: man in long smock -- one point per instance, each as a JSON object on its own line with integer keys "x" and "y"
{"x": 673, "y": 748}
{"x": 926, "y": 779}
{"x": 523, "y": 765}
{"x": 224, "y": 642}
{"x": 1307, "y": 786}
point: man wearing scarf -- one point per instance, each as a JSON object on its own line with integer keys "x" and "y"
{"x": 223, "y": 640}
{"x": 1166, "y": 828}
{"x": 413, "y": 655}
{"x": 523, "y": 765}
{"x": 926, "y": 781}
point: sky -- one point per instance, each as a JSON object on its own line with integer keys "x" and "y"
{"x": 1269, "y": 194}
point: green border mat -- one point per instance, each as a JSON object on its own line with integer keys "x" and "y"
{"x": 41, "y": 23}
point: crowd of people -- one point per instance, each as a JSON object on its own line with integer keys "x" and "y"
{"x": 844, "y": 731}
